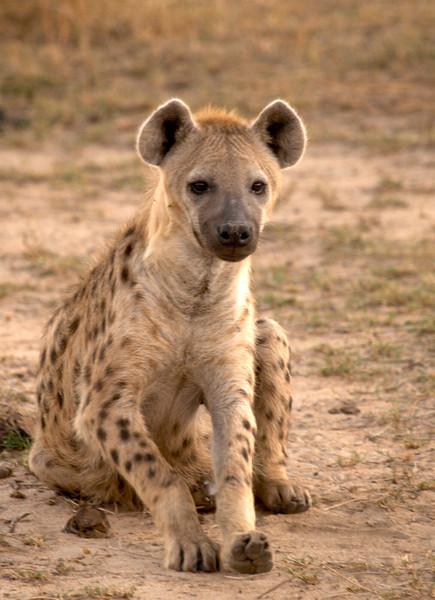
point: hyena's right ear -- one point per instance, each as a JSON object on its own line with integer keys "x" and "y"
{"x": 164, "y": 128}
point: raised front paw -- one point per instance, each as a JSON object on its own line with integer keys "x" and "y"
{"x": 192, "y": 555}
{"x": 250, "y": 553}
{"x": 284, "y": 497}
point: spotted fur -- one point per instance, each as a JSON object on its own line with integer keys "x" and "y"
{"x": 155, "y": 376}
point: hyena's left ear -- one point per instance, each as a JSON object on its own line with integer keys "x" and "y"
{"x": 166, "y": 127}
{"x": 282, "y": 130}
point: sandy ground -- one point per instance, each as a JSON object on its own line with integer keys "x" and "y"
{"x": 370, "y": 531}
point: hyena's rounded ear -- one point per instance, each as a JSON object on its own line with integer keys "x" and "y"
{"x": 282, "y": 130}
{"x": 164, "y": 128}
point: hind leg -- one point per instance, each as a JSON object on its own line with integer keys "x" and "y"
{"x": 272, "y": 409}
{"x": 54, "y": 473}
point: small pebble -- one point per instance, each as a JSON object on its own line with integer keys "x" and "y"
{"x": 5, "y": 471}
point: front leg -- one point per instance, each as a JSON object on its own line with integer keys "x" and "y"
{"x": 229, "y": 390}
{"x": 111, "y": 419}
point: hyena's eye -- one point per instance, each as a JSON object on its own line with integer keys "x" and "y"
{"x": 258, "y": 187}
{"x": 199, "y": 187}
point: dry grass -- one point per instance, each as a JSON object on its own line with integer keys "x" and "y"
{"x": 95, "y": 68}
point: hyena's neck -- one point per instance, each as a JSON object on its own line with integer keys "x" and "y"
{"x": 188, "y": 276}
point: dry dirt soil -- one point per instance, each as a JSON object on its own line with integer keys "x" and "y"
{"x": 347, "y": 267}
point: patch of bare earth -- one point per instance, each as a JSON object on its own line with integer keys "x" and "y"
{"x": 347, "y": 267}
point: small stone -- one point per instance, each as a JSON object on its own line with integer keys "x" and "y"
{"x": 17, "y": 494}
{"x": 5, "y": 471}
{"x": 89, "y": 522}
{"x": 346, "y": 408}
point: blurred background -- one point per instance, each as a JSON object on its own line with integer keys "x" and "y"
{"x": 346, "y": 266}
{"x": 361, "y": 72}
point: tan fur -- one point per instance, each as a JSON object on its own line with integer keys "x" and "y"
{"x": 158, "y": 337}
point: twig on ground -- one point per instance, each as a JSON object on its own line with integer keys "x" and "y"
{"x": 353, "y": 582}
{"x": 275, "y": 587}
{"x": 15, "y": 521}
{"x": 364, "y": 499}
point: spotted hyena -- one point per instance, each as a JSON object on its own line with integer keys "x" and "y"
{"x": 160, "y": 340}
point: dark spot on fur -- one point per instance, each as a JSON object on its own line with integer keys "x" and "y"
{"x": 129, "y": 231}
{"x": 123, "y": 422}
{"x": 115, "y": 397}
{"x": 125, "y": 274}
{"x": 63, "y": 341}
{"x": 74, "y": 443}
{"x": 53, "y": 355}
{"x": 287, "y": 376}
{"x": 76, "y": 369}
{"x": 186, "y": 442}
{"x": 98, "y": 385}
{"x": 149, "y": 457}
{"x": 289, "y": 367}
{"x": 170, "y": 479}
{"x": 245, "y": 454}
{"x": 60, "y": 399}
{"x": 261, "y": 340}
{"x": 151, "y": 472}
{"x": 124, "y": 434}
{"x": 290, "y": 403}
{"x": 42, "y": 358}
{"x": 138, "y": 457}
{"x": 126, "y": 341}
{"x": 260, "y": 321}
{"x": 108, "y": 371}
{"x": 231, "y": 479}
{"x": 269, "y": 415}
{"x": 281, "y": 364}
{"x": 74, "y": 325}
{"x": 109, "y": 340}
{"x": 175, "y": 428}
{"x": 128, "y": 466}
{"x": 103, "y": 414}
{"x": 101, "y": 434}
{"x": 246, "y": 424}
{"x": 128, "y": 250}
{"x": 102, "y": 354}
{"x": 42, "y": 422}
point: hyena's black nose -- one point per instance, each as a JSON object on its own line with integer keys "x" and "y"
{"x": 234, "y": 234}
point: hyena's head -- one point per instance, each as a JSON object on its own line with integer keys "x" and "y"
{"x": 222, "y": 173}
